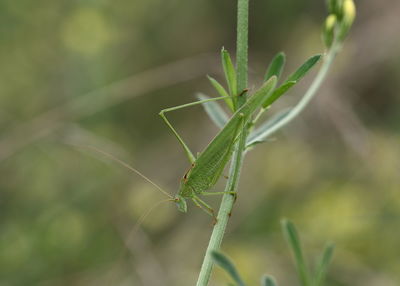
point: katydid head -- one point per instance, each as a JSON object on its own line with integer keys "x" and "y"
{"x": 181, "y": 203}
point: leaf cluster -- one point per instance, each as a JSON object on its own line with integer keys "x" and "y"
{"x": 336, "y": 27}
{"x": 231, "y": 94}
{"x": 306, "y": 279}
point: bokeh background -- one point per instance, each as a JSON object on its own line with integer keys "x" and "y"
{"x": 97, "y": 72}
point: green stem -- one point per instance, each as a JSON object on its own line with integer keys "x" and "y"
{"x": 228, "y": 200}
{"x": 223, "y": 214}
{"x": 242, "y": 47}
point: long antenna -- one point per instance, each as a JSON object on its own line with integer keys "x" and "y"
{"x": 143, "y": 217}
{"x": 126, "y": 165}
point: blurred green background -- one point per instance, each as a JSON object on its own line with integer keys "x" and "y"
{"x": 97, "y": 72}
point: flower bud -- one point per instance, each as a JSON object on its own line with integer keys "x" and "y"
{"x": 348, "y": 16}
{"x": 328, "y": 31}
{"x": 335, "y": 7}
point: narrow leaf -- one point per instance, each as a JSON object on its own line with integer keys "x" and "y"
{"x": 278, "y": 93}
{"x": 230, "y": 74}
{"x": 276, "y": 66}
{"x": 323, "y": 264}
{"x": 221, "y": 91}
{"x": 214, "y": 111}
{"x": 304, "y": 68}
{"x": 260, "y": 134}
{"x": 292, "y": 80}
{"x": 293, "y": 240}
{"x": 268, "y": 280}
{"x": 225, "y": 263}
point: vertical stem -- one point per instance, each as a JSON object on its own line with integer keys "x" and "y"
{"x": 242, "y": 46}
{"x": 223, "y": 214}
{"x": 237, "y": 158}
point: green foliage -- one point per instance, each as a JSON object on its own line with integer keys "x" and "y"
{"x": 292, "y": 80}
{"x": 268, "y": 280}
{"x": 230, "y": 75}
{"x": 293, "y": 240}
{"x": 323, "y": 264}
{"x": 225, "y": 263}
{"x": 278, "y": 92}
{"x": 276, "y": 66}
{"x": 64, "y": 214}
{"x": 304, "y": 68}
{"x": 222, "y": 92}
{"x": 246, "y": 110}
{"x": 335, "y": 7}
{"x": 257, "y": 136}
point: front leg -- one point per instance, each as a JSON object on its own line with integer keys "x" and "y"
{"x": 189, "y": 153}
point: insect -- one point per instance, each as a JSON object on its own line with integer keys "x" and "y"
{"x": 207, "y": 168}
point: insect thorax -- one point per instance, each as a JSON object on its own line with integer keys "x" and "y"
{"x": 185, "y": 190}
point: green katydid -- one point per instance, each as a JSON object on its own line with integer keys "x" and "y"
{"x": 206, "y": 169}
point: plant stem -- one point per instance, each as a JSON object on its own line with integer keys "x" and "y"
{"x": 236, "y": 165}
{"x": 237, "y": 159}
{"x": 242, "y": 46}
{"x": 223, "y": 214}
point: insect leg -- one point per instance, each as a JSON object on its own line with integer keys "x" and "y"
{"x": 162, "y": 114}
{"x": 203, "y": 206}
{"x": 217, "y": 193}
{"x": 220, "y": 193}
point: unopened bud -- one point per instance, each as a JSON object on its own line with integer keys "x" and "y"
{"x": 328, "y": 32}
{"x": 349, "y": 10}
{"x": 335, "y": 7}
{"x": 349, "y": 14}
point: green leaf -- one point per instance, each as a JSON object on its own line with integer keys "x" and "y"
{"x": 326, "y": 259}
{"x": 293, "y": 240}
{"x": 268, "y": 280}
{"x": 261, "y": 133}
{"x": 221, "y": 91}
{"x": 226, "y": 264}
{"x": 278, "y": 93}
{"x": 230, "y": 74}
{"x": 304, "y": 68}
{"x": 292, "y": 80}
{"x": 214, "y": 111}
{"x": 276, "y": 66}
